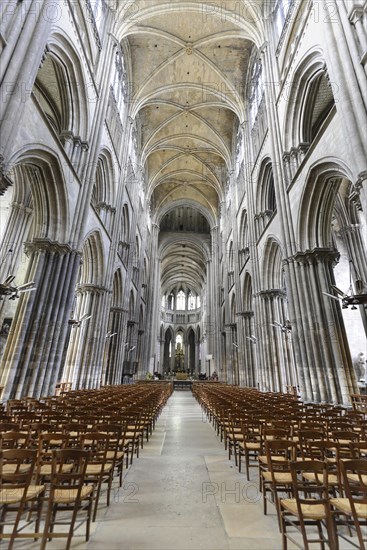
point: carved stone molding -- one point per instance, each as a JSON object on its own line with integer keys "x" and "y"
{"x": 273, "y": 293}
{"x": 46, "y": 245}
{"x": 21, "y": 206}
{"x": 104, "y": 206}
{"x": 94, "y": 289}
{"x": 5, "y": 181}
{"x": 324, "y": 255}
{"x": 245, "y": 314}
{"x": 361, "y": 178}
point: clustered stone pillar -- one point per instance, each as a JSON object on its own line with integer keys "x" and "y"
{"x": 154, "y": 310}
{"x": 278, "y": 347}
{"x": 324, "y": 362}
{"x": 114, "y": 348}
{"x": 197, "y": 355}
{"x": 131, "y": 342}
{"x": 249, "y": 376}
{"x": 15, "y": 235}
{"x": 33, "y": 354}
{"x": 213, "y": 310}
{"x": 85, "y": 352}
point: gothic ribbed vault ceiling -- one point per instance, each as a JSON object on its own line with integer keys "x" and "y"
{"x": 188, "y": 66}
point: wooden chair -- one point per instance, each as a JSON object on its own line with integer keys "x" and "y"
{"x": 277, "y": 478}
{"x": 68, "y": 492}
{"x": 17, "y": 494}
{"x": 9, "y": 426}
{"x": 47, "y": 444}
{"x": 310, "y": 506}
{"x": 268, "y": 434}
{"x": 99, "y": 470}
{"x": 134, "y": 433}
{"x": 117, "y": 451}
{"x": 352, "y": 508}
{"x": 307, "y": 436}
{"x": 234, "y": 433}
{"x": 14, "y": 440}
{"x": 251, "y": 445}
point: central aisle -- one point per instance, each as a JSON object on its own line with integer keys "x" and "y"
{"x": 183, "y": 493}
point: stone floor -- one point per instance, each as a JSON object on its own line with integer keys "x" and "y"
{"x": 181, "y": 494}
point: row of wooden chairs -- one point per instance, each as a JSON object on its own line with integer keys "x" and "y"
{"x": 290, "y": 443}
{"x": 48, "y": 455}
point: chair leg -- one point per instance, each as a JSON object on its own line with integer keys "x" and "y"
{"x": 72, "y": 523}
{"x": 284, "y": 536}
{"x": 247, "y": 466}
{"x": 264, "y": 500}
{"x": 2, "y": 519}
{"x": 332, "y": 533}
{"x": 304, "y": 536}
{"x": 39, "y": 512}
{"x": 47, "y": 526}
{"x": 235, "y": 452}
{"x": 16, "y": 523}
{"x": 89, "y": 516}
{"x": 96, "y": 501}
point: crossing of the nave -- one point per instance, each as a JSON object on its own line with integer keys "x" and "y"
{"x": 183, "y": 196}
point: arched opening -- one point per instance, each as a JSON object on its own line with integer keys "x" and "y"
{"x": 327, "y": 223}
{"x": 32, "y": 250}
{"x": 266, "y": 199}
{"x": 319, "y": 101}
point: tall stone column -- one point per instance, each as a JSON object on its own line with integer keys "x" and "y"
{"x": 154, "y": 309}
{"x": 162, "y": 365}
{"x": 186, "y": 348}
{"x": 20, "y": 62}
{"x": 16, "y": 233}
{"x": 250, "y": 372}
{"x": 33, "y": 354}
{"x": 113, "y": 361}
{"x": 326, "y": 370}
{"x": 277, "y": 342}
{"x": 351, "y": 83}
{"x": 139, "y": 351}
{"x": 173, "y": 356}
{"x": 85, "y": 353}
{"x": 197, "y": 355}
{"x": 214, "y": 341}
{"x": 234, "y": 354}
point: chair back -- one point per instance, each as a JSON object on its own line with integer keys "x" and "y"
{"x": 68, "y": 469}
{"x": 16, "y": 468}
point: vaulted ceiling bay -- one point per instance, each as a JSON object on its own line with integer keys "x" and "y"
{"x": 189, "y": 63}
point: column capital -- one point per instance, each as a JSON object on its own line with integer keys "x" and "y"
{"x": 361, "y": 178}
{"x": 318, "y": 255}
{"x": 5, "y": 181}
{"x": 92, "y": 288}
{"x": 245, "y": 314}
{"x": 46, "y": 245}
{"x": 273, "y": 293}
